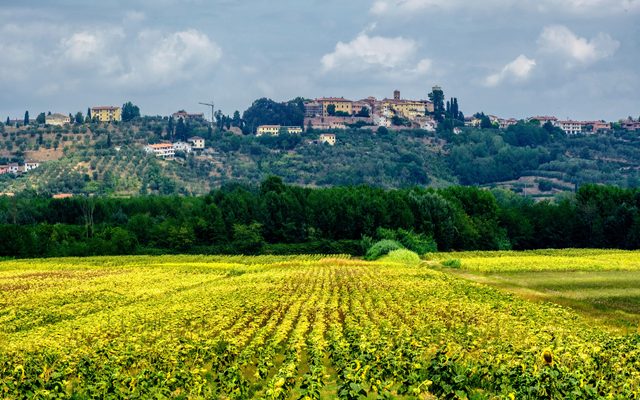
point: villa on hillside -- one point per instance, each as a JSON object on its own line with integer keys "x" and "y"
{"x": 197, "y": 143}
{"x": 161, "y": 150}
{"x": 57, "y": 119}
{"x": 274, "y": 130}
{"x": 106, "y": 113}
{"x": 329, "y": 138}
{"x": 185, "y": 116}
{"x": 183, "y": 147}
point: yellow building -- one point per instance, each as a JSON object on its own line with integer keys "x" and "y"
{"x": 106, "y": 113}
{"x": 340, "y": 103}
{"x": 294, "y": 130}
{"x": 274, "y": 130}
{"x": 407, "y": 108}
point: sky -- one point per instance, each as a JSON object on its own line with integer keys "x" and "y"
{"x": 576, "y": 59}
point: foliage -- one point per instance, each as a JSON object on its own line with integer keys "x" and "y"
{"x": 421, "y": 220}
{"x": 402, "y": 256}
{"x": 268, "y": 112}
{"x": 382, "y": 248}
{"x": 452, "y": 263}
{"x": 247, "y": 238}
{"x": 130, "y": 111}
{"x": 292, "y": 327}
{"x": 416, "y": 242}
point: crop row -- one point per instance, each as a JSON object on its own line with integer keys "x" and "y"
{"x": 295, "y": 327}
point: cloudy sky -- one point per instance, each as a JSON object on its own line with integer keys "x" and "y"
{"x": 570, "y": 58}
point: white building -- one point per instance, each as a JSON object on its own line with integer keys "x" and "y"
{"x": 197, "y": 143}
{"x": 29, "y": 165}
{"x": 182, "y": 146}
{"x": 570, "y": 127}
{"x": 427, "y": 123}
{"x": 162, "y": 150}
{"x": 274, "y": 130}
{"x": 381, "y": 120}
{"x": 328, "y": 138}
{"x": 57, "y": 119}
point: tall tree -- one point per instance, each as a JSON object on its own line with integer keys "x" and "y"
{"x": 236, "y": 119}
{"x": 437, "y": 98}
{"x": 8, "y": 121}
{"x": 26, "y": 118}
{"x": 41, "y": 119}
{"x": 130, "y": 111}
{"x": 181, "y": 130}
{"x": 170, "y": 128}
{"x": 79, "y": 118}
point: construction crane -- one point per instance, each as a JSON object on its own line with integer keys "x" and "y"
{"x": 212, "y": 111}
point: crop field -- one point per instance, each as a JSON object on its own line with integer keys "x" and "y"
{"x": 545, "y": 260}
{"x": 604, "y": 284}
{"x": 194, "y": 327}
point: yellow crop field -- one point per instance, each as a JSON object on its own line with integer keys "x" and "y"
{"x": 545, "y": 260}
{"x": 303, "y": 327}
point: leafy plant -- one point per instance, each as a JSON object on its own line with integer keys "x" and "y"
{"x": 381, "y": 248}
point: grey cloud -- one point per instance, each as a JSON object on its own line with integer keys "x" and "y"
{"x": 69, "y": 54}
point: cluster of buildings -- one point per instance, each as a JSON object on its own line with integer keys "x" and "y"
{"x": 167, "y": 150}
{"x": 336, "y": 113}
{"x": 571, "y": 127}
{"x": 15, "y": 168}
{"x": 339, "y": 113}
{"x": 100, "y": 113}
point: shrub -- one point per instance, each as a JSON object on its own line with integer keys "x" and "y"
{"x": 366, "y": 243}
{"x": 416, "y": 242}
{"x": 382, "y": 248}
{"x": 403, "y": 256}
{"x": 452, "y": 263}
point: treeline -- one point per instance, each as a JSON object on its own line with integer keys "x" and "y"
{"x": 277, "y": 218}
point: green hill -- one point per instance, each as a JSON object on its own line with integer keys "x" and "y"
{"x": 109, "y": 159}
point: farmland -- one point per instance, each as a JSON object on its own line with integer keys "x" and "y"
{"x": 293, "y": 327}
{"x": 604, "y": 284}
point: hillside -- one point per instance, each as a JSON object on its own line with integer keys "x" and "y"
{"x": 109, "y": 159}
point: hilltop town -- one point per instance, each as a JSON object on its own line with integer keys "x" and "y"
{"x": 117, "y": 144}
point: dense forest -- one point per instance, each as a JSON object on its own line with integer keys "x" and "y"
{"x": 278, "y": 218}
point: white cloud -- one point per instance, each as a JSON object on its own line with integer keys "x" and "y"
{"x": 517, "y": 70}
{"x": 92, "y": 49}
{"x": 375, "y": 52}
{"x": 559, "y": 41}
{"x": 595, "y": 7}
{"x": 149, "y": 59}
{"x": 167, "y": 59}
